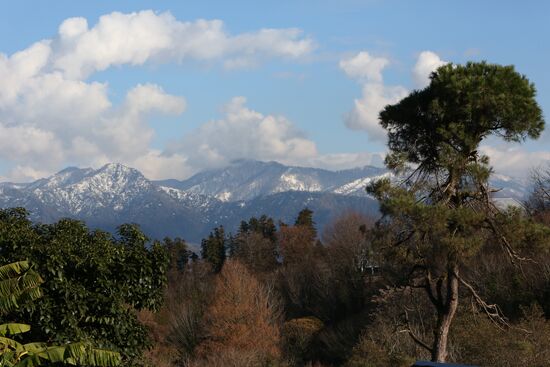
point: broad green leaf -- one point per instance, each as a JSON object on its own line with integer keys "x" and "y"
{"x": 13, "y": 328}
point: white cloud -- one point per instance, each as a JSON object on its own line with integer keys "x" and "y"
{"x": 514, "y": 160}
{"x": 149, "y": 98}
{"x": 339, "y": 161}
{"x": 244, "y": 133}
{"x": 124, "y": 133}
{"x": 146, "y": 36}
{"x": 47, "y": 120}
{"x": 364, "y": 115}
{"x": 50, "y": 115}
{"x": 427, "y": 62}
{"x": 24, "y": 174}
{"x": 365, "y": 67}
{"x": 39, "y": 146}
{"x": 156, "y": 165}
{"x": 376, "y": 95}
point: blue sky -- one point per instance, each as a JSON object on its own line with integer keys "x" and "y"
{"x": 304, "y": 92}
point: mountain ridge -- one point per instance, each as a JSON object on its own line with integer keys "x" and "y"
{"x": 114, "y": 194}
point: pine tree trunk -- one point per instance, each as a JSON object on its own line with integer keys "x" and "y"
{"x": 445, "y": 316}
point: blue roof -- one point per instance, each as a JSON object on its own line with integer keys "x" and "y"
{"x": 436, "y": 364}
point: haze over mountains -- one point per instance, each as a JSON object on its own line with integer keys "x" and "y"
{"x": 116, "y": 194}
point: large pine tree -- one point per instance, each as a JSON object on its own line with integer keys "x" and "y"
{"x": 440, "y": 214}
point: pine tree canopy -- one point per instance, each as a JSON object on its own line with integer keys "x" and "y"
{"x": 444, "y": 123}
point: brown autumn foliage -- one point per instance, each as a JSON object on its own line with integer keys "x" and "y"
{"x": 176, "y": 329}
{"x": 186, "y": 301}
{"x": 526, "y": 342}
{"x": 500, "y": 282}
{"x": 243, "y": 319}
{"x": 163, "y": 354}
{"x": 257, "y": 252}
{"x": 233, "y": 358}
{"x": 385, "y": 340}
{"x": 330, "y": 281}
{"x": 296, "y": 244}
{"x": 302, "y": 278}
{"x": 336, "y": 312}
{"x": 350, "y": 258}
{"x": 298, "y": 335}
{"x": 474, "y": 339}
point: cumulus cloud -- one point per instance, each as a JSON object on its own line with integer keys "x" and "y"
{"x": 24, "y": 174}
{"x": 51, "y": 115}
{"x": 159, "y": 165}
{"x": 244, "y": 133}
{"x": 367, "y": 70}
{"x": 146, "y": 36}
{"x": 151, "y": 97}
{"x": 363, "y": 66}
{"x": 364, "y": 115}
{"x": 427, "y": 62}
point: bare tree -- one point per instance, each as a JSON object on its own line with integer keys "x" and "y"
{"x": 538, "y": 203}
{"x": 243, "y": 318}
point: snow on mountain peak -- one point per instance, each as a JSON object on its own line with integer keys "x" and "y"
{"x": 75, "y": 190}
{"x": 115, "y": 194}
{"x": 290, "y": 181}
{"x": 224, "y": 196}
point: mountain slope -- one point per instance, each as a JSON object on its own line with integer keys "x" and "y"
{"x": 245, "y": 180}
{"x": 115, "y": 194}
{"x": 109, "y": 196}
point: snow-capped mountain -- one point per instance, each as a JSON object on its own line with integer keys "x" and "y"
{"x": 115, "y": 194}
{"x": 109, "y": 196}
{"x": 247, "y": 179}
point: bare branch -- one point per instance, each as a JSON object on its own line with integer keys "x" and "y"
{"x": 413, "y": 335}
{"x": 512, "y": 254}
{"x": 491, "y": 310}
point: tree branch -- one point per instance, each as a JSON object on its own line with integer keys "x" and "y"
{"x": 512, "y": 254}
{"x": 412, "y": 334}
{"x": 437, "y": 302}
{"x": 491, "y": 310}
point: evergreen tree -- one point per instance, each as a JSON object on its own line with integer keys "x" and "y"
{"x": 94, "y": 283}
{"x": 441, "y": 214}
{"x": 178, "y": 252}
{"x": 213, "y": 248}
{"x": 305, "y": 219}
{"x": 265, "y": 226}
{"x": 255, "y": 244}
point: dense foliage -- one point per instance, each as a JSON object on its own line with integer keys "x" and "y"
{"x": 19, "y": 283}
{"x": 94, "y": 283}
{"x": 327, "y": 304}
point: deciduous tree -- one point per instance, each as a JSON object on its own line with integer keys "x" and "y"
{"x": 243, "y": 318}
